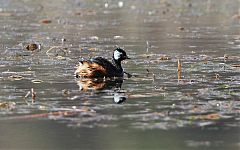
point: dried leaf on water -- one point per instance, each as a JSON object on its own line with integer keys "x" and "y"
{"x": 88, "y": 49}
{"x": 92, "y": 49}
{"x": 32, "y": 47}
{"x": 181, "y": 28}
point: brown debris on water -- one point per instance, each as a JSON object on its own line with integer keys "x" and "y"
{"x": 236, "y": 17}
{"x": 34, "y": 94}
{"x": 226, "y": 57}
{"x": 179, "y": 70}
{"x": 65, "y": 92}
{"x": 77, "y": 13}
{"x": 213, "y": 116}
{"x": 32, "y": 47}
{"x": 7, "y": 105}
{"x": 15, "y": 77}
{"x": 67, "y": 113}
{"x": 181, "y": 28}
{"x": 5, "y": 14}
{"x": 46, "y": 21}
{"x": 236, "y": 65}
{"x": 165, "y": 57}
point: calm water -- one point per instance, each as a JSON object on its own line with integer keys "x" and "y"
{"x": 151, "y": 110}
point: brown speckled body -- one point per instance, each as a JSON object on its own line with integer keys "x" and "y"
{"x": 100, "y": 67}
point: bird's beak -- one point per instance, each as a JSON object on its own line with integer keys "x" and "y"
{"x": 127, "y": 57}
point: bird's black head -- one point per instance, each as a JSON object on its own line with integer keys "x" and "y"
{"x": 119, "y": 54}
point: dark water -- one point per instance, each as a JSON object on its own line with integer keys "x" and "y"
{"x": 151, "y": 110}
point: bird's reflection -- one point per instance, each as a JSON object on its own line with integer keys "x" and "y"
{"x": 104, "y": 84}
{"x": 119, "y": 97}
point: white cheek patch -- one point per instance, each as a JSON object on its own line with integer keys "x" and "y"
{"x": 117, "y": 55}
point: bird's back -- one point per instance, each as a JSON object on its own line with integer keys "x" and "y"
{"x": 98, "y": 67}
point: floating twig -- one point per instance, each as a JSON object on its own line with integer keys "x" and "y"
{"x": 59, "y": 53}
{"x": 28, "y": 93}
{"x": 34, "y": 94}
{"x": 53, "y": 47}
{"x": 154, "y": 77}
{"x": 147, "y": 72}
{"x": 147, "y": 46}
{"x": 46, "y": 21}
{"x": 179, "y": 70}
{"x": 66, "y": 113}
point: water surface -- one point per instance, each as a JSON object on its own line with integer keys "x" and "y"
{"x": 43, "y": 106}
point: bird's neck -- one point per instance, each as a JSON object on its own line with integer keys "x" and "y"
{"x": 117, "y": 64}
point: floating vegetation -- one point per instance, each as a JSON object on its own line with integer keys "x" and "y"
{"x": 88, "y": 49}
{"x": 165, "y": 57}
{"x": 37, "y": 81}
{"x": 46, "y": 21}
{"x": 15, "y": 77}
{"x": 213, "y": 116}
{"x": 7, "y": 105}
{"x": 61, "y": 58}
{"x": 56, "y": 114}
{"x": 33, "y": 47}
{"x": 57, "y": 52}
{"x": 65, "y": 92}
